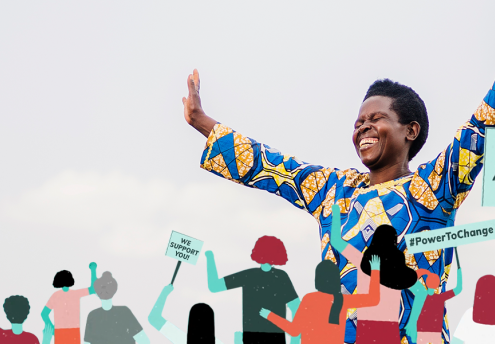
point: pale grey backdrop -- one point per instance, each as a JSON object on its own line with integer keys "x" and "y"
{"x": 97, "y": 163}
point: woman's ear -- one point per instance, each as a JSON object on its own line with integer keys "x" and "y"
{"x": 413, "y": 130}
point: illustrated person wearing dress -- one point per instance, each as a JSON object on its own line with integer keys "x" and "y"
{"x": 425, "y": 324}
{"x": 16, "y": 309}
{"x": 112, "y": 324}
{"x": 200, "y": 327}
{"x": 321, "y": 315}
{"x": 378, "y": 324}
{"x": 477, "y": 325}
{"x": 65, "y": 304}
{"x": 262, "y": 287}
{"x": 390, "y": 129}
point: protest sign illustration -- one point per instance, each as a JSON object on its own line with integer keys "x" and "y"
{"x": 488, "y": 196}
{"x": 183, "y": 248}
{"x": 450, "y": 236}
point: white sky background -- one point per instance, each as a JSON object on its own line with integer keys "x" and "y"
{"x": 98, "y": 163}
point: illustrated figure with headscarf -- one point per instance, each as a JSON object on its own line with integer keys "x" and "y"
{"x": 321, "y": 315}
{"x": 477, "y": 325}
{"x": 200, "y": 327}
{"x": 426, "y": 319}
{"x": 378, "y": 324}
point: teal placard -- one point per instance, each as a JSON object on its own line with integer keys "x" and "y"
{"x": 488, "y": 196}
{"x": 450, "y": 236}
{"x": 184, "y": 248}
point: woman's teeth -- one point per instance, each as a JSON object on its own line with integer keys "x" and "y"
{"x": 367, "y": 142}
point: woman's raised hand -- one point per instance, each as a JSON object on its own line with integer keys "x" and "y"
{"x": 193, "y": 112}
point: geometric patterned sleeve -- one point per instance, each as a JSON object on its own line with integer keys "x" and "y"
{"x": 447, "y": 180}
{"x": 232, "y": 156}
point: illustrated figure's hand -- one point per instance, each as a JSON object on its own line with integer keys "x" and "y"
{"x": 209, "y": 254}
{"x": 264, "y": 313}
{"x": 92, "y": 265}
{"x": 375, "y": 262}
{"x": 192, "y": 104}
{"x": 49, "y": 329}
{"x": 168, "y": 289}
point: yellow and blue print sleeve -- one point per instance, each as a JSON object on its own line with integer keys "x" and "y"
{"x": 446, "y": 181}
{"x": 243, "y": 160}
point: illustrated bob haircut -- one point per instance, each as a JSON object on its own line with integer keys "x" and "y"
{"x": 269, "y": 250}
{"x": 63, "y": 279}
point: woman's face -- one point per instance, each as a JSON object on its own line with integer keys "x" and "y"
{"x": 379, "y": 139}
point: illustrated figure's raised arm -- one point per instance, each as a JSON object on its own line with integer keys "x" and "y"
{"x": 321, "y": 315}
{"x": 66, "y": 305}
{"x": 215, "y": 284}
{"x": 424, "y": 324}
{"x": 261, "y": 287}
{"x": 390, "y": 129}
{"x": 155, "y": 318}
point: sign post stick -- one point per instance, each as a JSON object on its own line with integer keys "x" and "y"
{"x": 175, "y": 272}
{"x": 457, "y": 258}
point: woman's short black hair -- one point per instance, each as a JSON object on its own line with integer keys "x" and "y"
{"x": 407, "y": 104}
{"x": 63, "y": 279}
{"x": 16, "y": 308}
{"x": 394, "y": 273}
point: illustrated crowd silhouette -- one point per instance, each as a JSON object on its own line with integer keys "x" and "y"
{"x": 368, "y": 288}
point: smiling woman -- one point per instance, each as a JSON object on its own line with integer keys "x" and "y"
{"x": 392, "y": 127}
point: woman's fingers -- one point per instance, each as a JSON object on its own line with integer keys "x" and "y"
{"x": 196, "y": 79}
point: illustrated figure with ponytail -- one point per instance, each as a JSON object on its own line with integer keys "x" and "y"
{"x": 378, "y": 324}
{"x": 426, "y": 319}
{"x": 321, "y": 315}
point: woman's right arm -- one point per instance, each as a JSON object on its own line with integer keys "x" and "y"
{"x": 233, "y": 156}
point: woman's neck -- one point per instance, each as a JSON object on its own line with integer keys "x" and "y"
{"x": 389, "y": 173}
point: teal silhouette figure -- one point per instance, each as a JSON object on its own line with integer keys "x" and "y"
{"x": 200, "y": 328}
{"x": 66, "y": 306}
{"x": 264, "y": 287}
{"x": 17, "y": 309}
{"x": 112, "y": 324}
{"x": 426, "y": 318}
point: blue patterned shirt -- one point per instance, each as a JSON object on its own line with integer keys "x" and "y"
{"x": 424, "y": 200}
